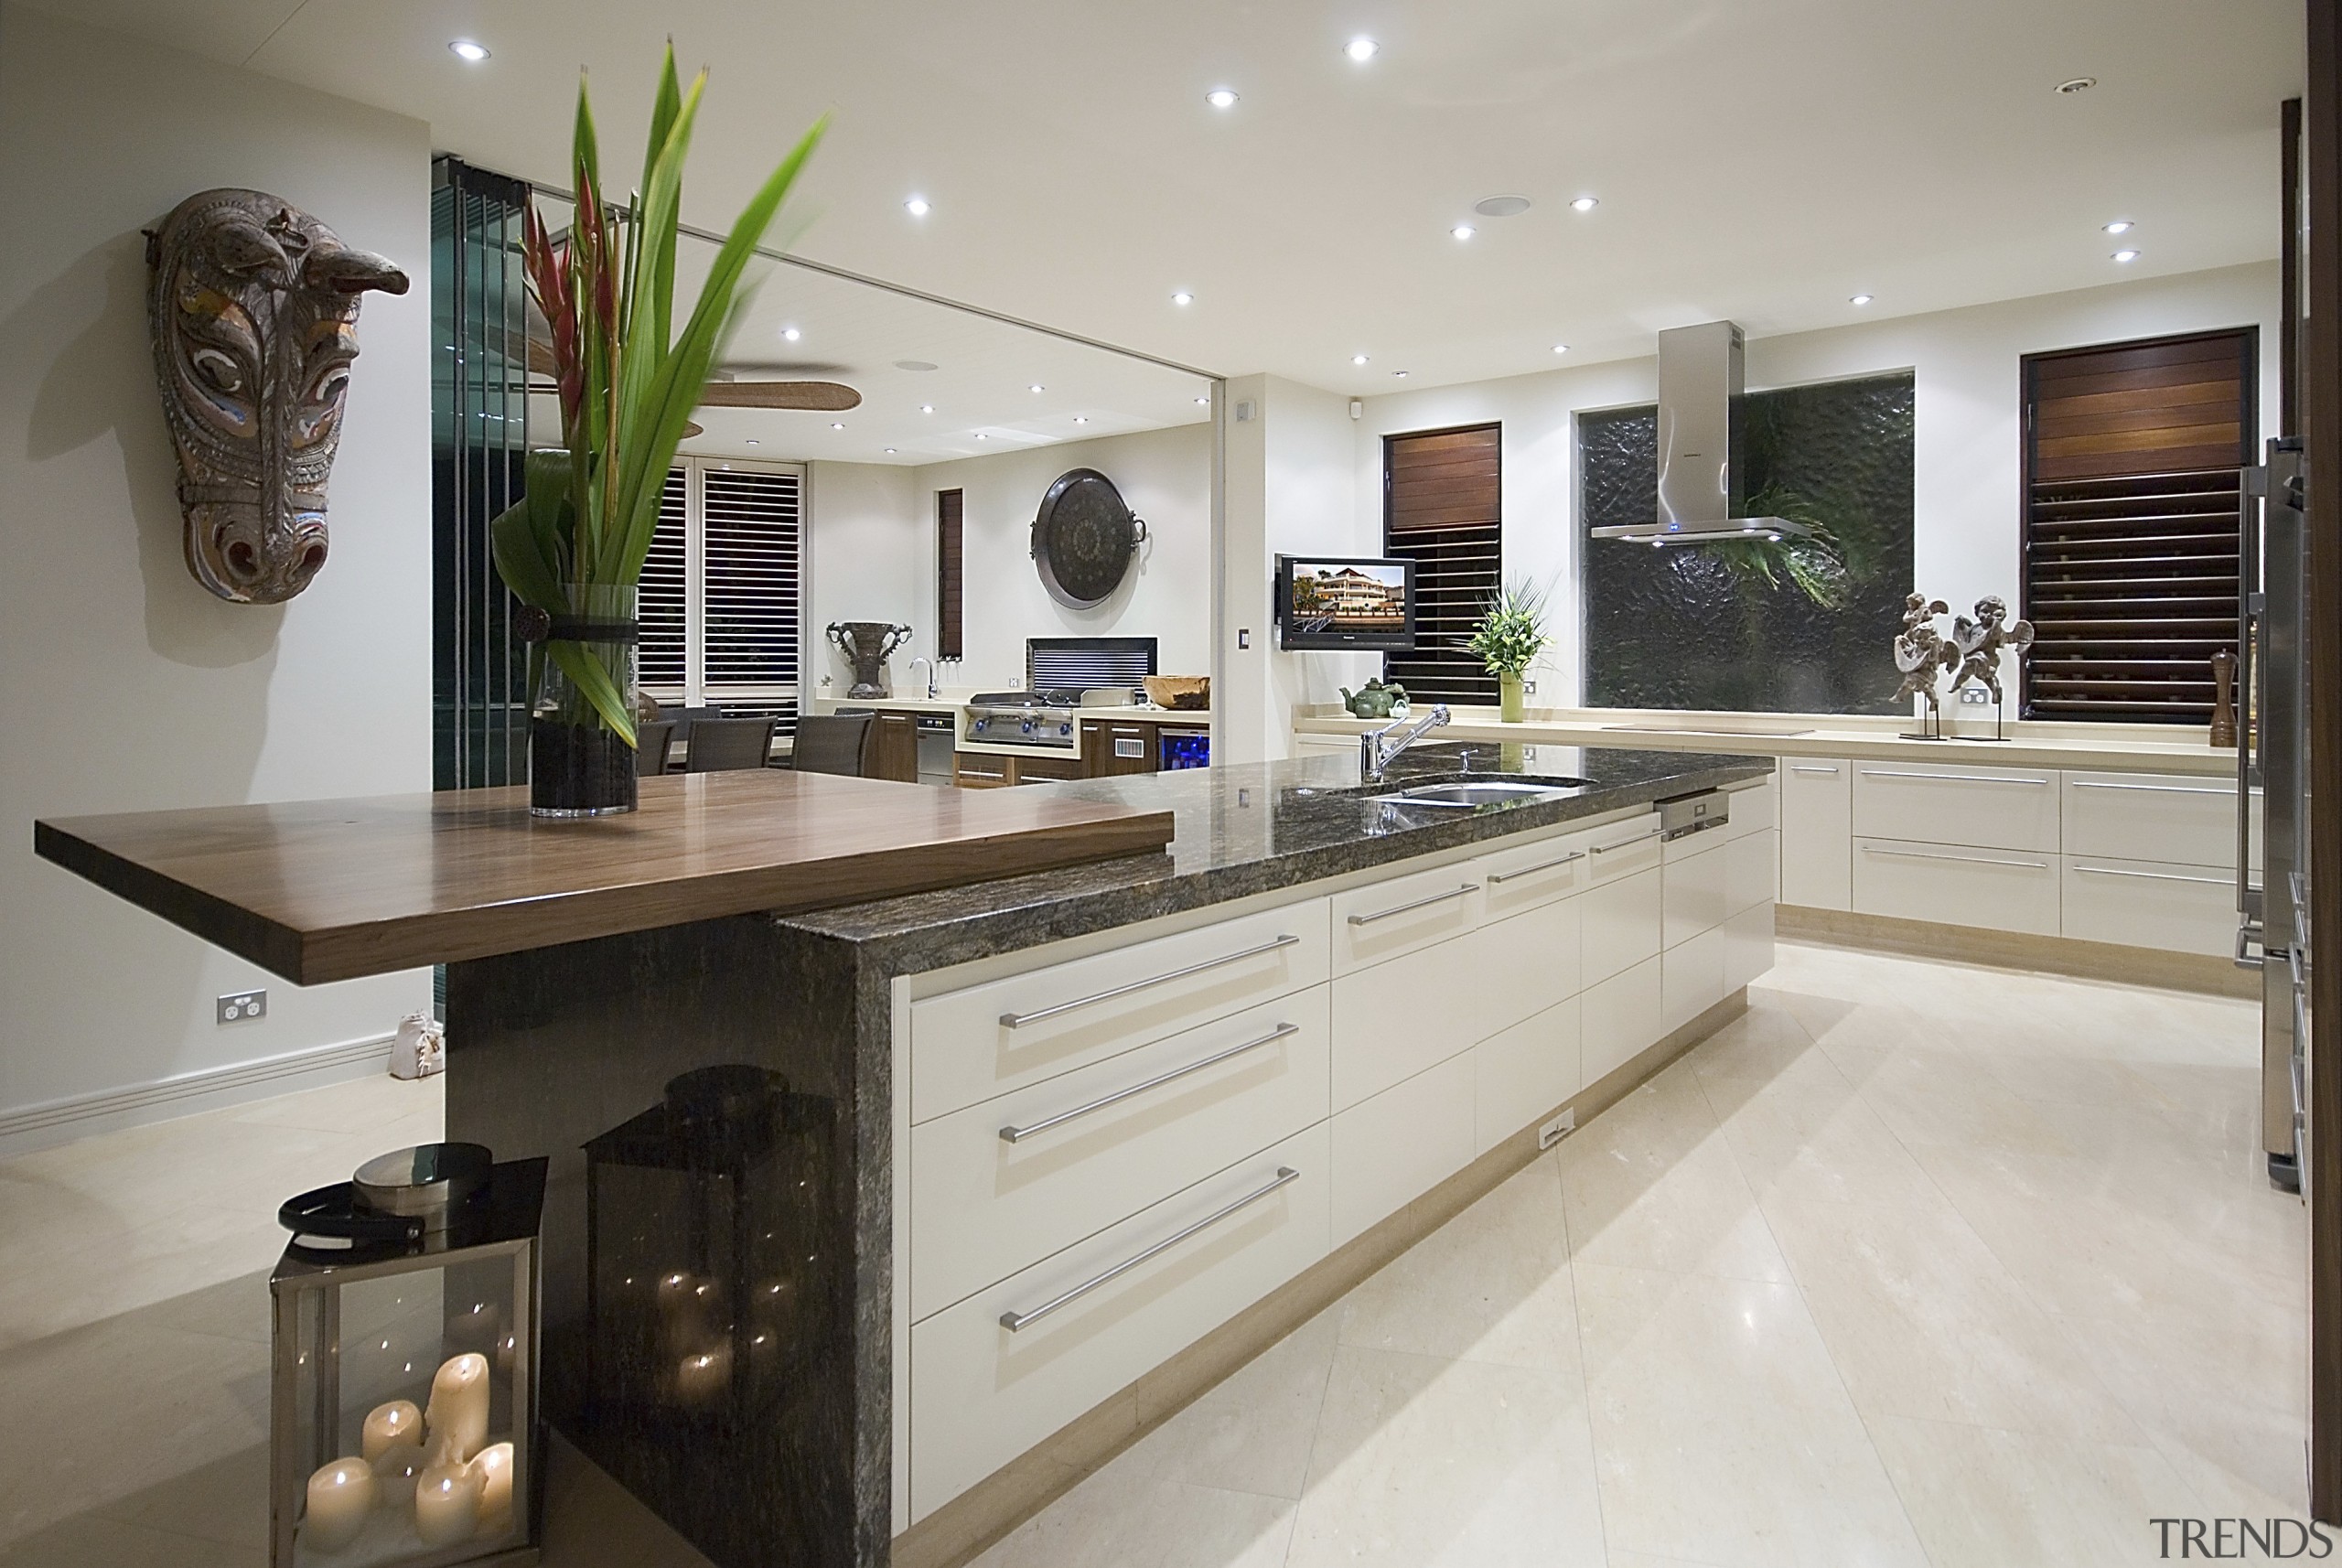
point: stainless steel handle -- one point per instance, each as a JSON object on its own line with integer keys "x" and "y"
{"x": 1623, "y": 843}
{"x": 1964, "y": 859}
{"x": 2150, "y": 876}
{"x": 1418, "y": 904}
{"x": 1951, "y": 778}
{"x": 1016, "y": 1322}
{"x": 2157, "y": 788}
{"x": 1018, "y": 1020}
{"x": 1810, "y": 768}
{"x": 1496, "y": 877}
{"x": 2250, "y": 936}
{"x": 1018, "y": 1134}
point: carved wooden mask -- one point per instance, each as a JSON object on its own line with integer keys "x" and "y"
{"x": 254, "y": 307}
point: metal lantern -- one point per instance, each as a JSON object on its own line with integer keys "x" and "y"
{"x": 403, "y": 1431}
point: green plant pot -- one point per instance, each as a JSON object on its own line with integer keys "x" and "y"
{"x": 1511, "y": 706}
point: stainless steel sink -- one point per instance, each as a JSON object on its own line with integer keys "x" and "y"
{"x": 1473, "y": 793}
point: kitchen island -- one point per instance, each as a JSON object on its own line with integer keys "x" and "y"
{"x": 853, "y": 1209}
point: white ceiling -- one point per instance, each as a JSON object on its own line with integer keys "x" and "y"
{"x": 1757, "y": 160}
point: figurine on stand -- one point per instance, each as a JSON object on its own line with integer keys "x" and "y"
{"x": 1979, "y": 644}
{"x": 1921, "y": 652}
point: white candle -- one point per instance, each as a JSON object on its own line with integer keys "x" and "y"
{"x": 387, "y": 1425}
{"x": 341, "y": 1497}
{"x": 396, "y": 1470}
{"x": 494, "y": 1467}
{"x": 458, "y": 1416}
{"x": 702, "y": 1378}
{"x": 446, "y": 1504}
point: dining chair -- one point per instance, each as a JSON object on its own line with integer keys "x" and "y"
{"x": 831, "y": 743}
{"x": 718, "y": 745}
{"x": 652, "y": 741}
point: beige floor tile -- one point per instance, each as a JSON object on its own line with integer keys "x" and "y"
{"x": 1807, "y": 1135}
{"x": 363, "y": 1105}
{"x": 1426, "y": 1463}
{"x": 1255, "y": 1431}
{"x": 1493, "y": 1284}
{"x": 1935, "y": 1096}
{"x": 1722, "y": 1431}
{"x": 1619, "y": 1559}
{"x": 1125, "y": 1517}
{"x": 1984, "y": 1499}
{"x": 1763, "y": 1042}
{"x": 1922, "y": 1321}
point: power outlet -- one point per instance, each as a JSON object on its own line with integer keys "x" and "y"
{"x": 1560, "y": 1127}
{"x": 1976, "y": 696}
{"x": 239, "y": 1007}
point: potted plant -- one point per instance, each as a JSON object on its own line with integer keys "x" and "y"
{"x": 1508, "y": 639}
{"x": 572, "y": 548}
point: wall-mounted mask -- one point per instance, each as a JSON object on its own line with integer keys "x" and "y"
{"x": 254, "y": 307}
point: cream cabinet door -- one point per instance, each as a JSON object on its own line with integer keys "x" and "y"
{"x": 1391, "y": 1149}
{"x": 1398, "y": 1017}
{"x": 1982, "y": 808}
{"x": 1521, "y": 1075}
{"x": 1511, "y": 969}
{"x": 1619, "y": 1018}
{"x": 1620, "y": 922}
{"x": 1818, "y": 831}
{"x": 2151, "y": 904}
{"x": 2140, "y": 816}
{"x": 2009, "y": 890}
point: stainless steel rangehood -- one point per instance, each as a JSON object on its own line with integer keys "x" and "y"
{"x": 1700, "y": 493}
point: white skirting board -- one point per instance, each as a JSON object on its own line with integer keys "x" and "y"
{"x": 62, "y": 1121}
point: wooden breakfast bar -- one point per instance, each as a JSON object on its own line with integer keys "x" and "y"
{"x": 620, "y": 1000}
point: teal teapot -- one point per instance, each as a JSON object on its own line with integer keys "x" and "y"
{"x": 1376, "y": 700}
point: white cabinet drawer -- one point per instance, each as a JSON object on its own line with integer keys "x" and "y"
{"x": 972, "y": 1044}
{"x": 2151, "y": 904}
{"x": 1753, "y": 810}
{"x": 1617, "y": 851}
{"x": 1509, "y": 969}
{"x": 981, "y": 1394}
{"x": 1521, "y": 1074}
{"x": 1391, "y": 1149}
{"x": 1620, "y": 924}
{"x": 1690, "y": 979}
{"x": 2136, "y": 816}
{"x": 999, "y": 1185}
{"x": 1748, "y": 946}
{"x": 1957, "y": 886}
{"x": 1692, "y": 890}
{"x": 1818, "y": 831}
{"x": 1749, "y": 871}
{"x": 1399, "y": 1017}
{"x": 1386, "y": 918}
{"x": 1618, "y": 1018}
{"x": 1990, "y": 808}
{"x": 1529, "y": 875}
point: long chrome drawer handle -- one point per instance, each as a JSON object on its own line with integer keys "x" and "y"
{"x": 1016, "y": 1321}
{"x": 1018, "y": 1020}
{"x": 1496, "y": 877}
{"x": 1624, "y": 843}
{"x": 1951, "y": 778}
{"x": 2152, "y": 875}
{"x": 1418, "y": 904}
{"x": 2156, "y": 789}
{"x": 1018, "y": 1134}
{"x": 1963, "y": 859}
{"x": 1808, "y": 768}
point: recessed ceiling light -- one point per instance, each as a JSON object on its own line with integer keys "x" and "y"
{"x": 1501, "y": 206}
{"x": 2074, "y": 84}
{"x": 1221, "y": 97}
{"x": 1183, "y": 297}
{"x": 467, "y": 49}
{"x": 790, "y": 334}
{"x": 1205, "y": 402}
{"x": 2126, "y": 255}
{"x": 1401, "y": 374}
{"x": 835, "y": 426}
{"x": 1036, "y": 387}
{"x": 979, "y": 436}
{"x": 2120, "y": 226}
{"x": 1361, "y": 48}
{"x": 754, "y": 442}
{"x": 916, "y": 206}
{"x": 1462, "y": 231}
{"x": 926, "y": 408}
{"x": 1358, "y": 359}
{"x": 890, "y": 451}
{"x": 1561, "y": 348}
{"x": 1081, "y": 419}
{"x": 1858, "y": 299}
{"x": 1584, "y": 204}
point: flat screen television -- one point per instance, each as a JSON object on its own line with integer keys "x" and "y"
{"x": 1325, "y": 601}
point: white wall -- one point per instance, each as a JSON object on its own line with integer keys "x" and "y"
{"x": 1964, "y": 365}
{"x": 873, "y": 558}
{"x": 128, "y": 686}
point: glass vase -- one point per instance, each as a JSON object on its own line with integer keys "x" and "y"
{"x": 1512, "y": 707}
{"x": 578, "y": 764}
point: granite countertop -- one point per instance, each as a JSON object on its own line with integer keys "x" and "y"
{"x": 1252, "y": 828}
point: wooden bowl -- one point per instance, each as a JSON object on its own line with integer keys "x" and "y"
{"x": 1178, "y": 692}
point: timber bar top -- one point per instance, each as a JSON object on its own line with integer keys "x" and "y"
{"x": 322, "y": 890}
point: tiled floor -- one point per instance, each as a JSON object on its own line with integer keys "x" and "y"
{"x": 1914, "y": 1264}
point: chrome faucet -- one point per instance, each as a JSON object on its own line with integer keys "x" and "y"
{"x": 923, "y": 659}
{"x": 1376, "y": 748}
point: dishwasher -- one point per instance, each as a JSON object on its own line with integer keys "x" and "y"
{"x": 938, "y": 735}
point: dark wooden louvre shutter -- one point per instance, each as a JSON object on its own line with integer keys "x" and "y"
{"x": 659, "y": 603}
{"x": 2131, "y": 502}
{"x": 1442, "y": 510}
{"x": 949, "y": 577}
{"x": 750, "y": 584}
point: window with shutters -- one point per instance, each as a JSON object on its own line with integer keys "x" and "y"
{"x": 722, "y": 589}
{"x": 949, "y": 578}
{"x": 2133, "y": 493}
{"x": 1442, "y": 510}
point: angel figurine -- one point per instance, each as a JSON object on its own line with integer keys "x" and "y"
{"x": 1920, "y": 651}
{"x": 1978, "y": 644}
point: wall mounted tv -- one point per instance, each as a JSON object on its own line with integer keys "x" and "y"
{"x": 1329, "y": 602}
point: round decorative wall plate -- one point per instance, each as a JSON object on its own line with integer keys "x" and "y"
{"x": 1084, "y": 538}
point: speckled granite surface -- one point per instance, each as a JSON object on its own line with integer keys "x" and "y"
{"x": 1254, "y": 828}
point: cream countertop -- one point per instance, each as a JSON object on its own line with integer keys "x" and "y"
{"x": 2123, "y": 748}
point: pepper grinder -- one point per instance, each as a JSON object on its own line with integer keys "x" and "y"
{"x": 2224, "y": 698}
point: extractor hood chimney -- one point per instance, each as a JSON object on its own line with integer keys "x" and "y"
{"x": 1699, "y": 494}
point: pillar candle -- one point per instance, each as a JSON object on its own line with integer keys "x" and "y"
{"x": 701, "y": 1380}
{"x": 395, "y": 1471}
{"x": 340, "y": 1495}
{"x": 458, "y": 1414}
{"x": 495, "y": 1468}
{"x": 388, "y": 1425}
{"x": 446, "y": 1504}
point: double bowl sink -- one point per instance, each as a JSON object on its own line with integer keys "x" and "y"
{"x": 1475, "y": 794}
